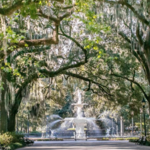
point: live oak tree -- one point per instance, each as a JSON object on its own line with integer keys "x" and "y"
{"x": 27, "y": 28}
{"x": 100, "y": 42}
{"x": 43, "y": 98}
{"x": 29, "y": 31}
{"x": 102, "y": 83}
{"x": 130, "y": 20}
{"x": 128, "y": 68}
{"x": 98, "y": 75}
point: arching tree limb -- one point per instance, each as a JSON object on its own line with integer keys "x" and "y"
{"x": 76, "y": 42}
{"x": 125, "y": 3}
{"x": 29, "y": 50}
{"x": 133, "y": 81}
{"x": 37, "y": 42}
{"x": 102, "y": 87}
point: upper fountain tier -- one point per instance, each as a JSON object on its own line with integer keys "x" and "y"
{"x": 79, "y": 104}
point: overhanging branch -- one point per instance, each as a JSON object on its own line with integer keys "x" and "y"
{"x": 59, "y": 71}
{"x": 125, "y": 3}
{"x": 29, "y": 50}
{"x": 76, "y": 42}
{"x": 102, "y": 87}
{"x": 133, "y": 81}
{"x": 37, "y": 42}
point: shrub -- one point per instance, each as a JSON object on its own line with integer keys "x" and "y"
{"x": 14, "y": 146}
{"x": 10, "y": 137}
{"x": 133, "y": 140}
{"x": 119, "y": 138}
{"x": 148, "y": 138}
{"x": 56, "y": 139}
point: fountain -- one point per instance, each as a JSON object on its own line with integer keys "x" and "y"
{"x": 80, "y": 122}
{"x": 76, "y": 127}
{"x": 81, "y": 127}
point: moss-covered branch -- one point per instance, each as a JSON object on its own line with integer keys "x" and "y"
{"x": 125, "y": 3}
{"x": 133, "y": 81}
{"x": 103, "y": 88}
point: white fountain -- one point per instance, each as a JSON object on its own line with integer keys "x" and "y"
{"x": 78, "y": 124}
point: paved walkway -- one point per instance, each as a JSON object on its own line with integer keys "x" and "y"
{"x": 85, "y": 145}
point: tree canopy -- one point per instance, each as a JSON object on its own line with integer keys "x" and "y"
{"x": 102, "y": 43}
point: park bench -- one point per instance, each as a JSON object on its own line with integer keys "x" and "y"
{"x": 139, "y": 140}
{"x": 142, "y": 140}
{"x": 2, "y": 147}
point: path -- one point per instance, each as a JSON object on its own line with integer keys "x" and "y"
{"x": 85, "y": 145}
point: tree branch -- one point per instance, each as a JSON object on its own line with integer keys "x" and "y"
{"x": 59, "y": 71}
{"x": 76, "y": 42}
{"x": 9, "y": 11}
{"x": 125, "y": 3}
{"x": 53, "y": 40}
{"x": 133, "y": 81}
{"x": 41, "y": 14}
{"x": 59, "y": 18}
{"x": 137, "y": 53}
{"x": 37, "y": 42}
{"x": 30, "y": 50}
{"x": 47, "y": 73}
{"x": 67, "y": 14}
{"x": 88, "y": 80}
{"x": 124, "y": 36}
{"x": 139, "y": 35}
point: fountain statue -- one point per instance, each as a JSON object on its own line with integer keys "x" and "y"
{"x": 80, "y": 122}
{"x": 108, "y": 132}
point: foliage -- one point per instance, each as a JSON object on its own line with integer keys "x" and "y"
{"x": 148, "y": 138}
{"x": 130, "y": 138}
{"x": 15, "y": 146}
{"x": 21, "y": 64}
{"x": 10, "y": 138}
{"x": 141, "y": 141}
{"x": 109, "y": 72}
{"x": 54, "y": 139}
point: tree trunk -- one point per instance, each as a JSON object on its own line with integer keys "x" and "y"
{"x": 9, "y": 104}
{"x": 149, "y": 105}
{"x": 149, "y": 111}
{"x": 3, "y": 117}
{"x": 12, "y": 122}
{"x": 8, "y": 121}
{"x": 13, "y": 113}
{"x": 3, "y": 114}
{"x": 21, "y": 125}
